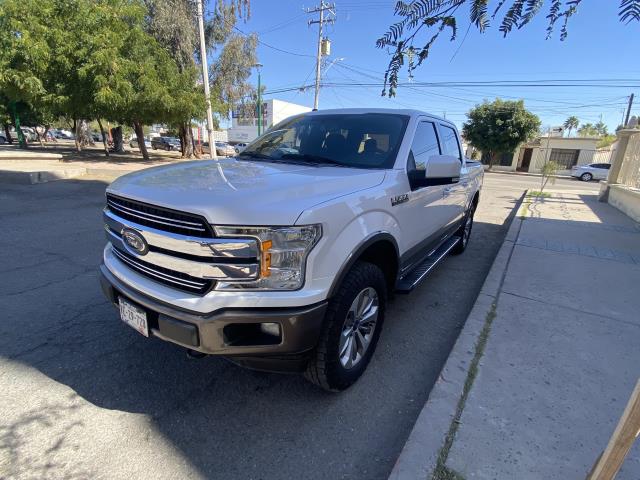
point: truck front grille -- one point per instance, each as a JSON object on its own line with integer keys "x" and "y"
{"x": 168, "y": 277}
{"x": 159, "y": 218}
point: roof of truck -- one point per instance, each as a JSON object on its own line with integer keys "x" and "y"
{"x": 400, "y": 111}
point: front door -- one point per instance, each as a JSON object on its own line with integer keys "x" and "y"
{"x": 526, "y": 160}
{"x": 424, "y": 213}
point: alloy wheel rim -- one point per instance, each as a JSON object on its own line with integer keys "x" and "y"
{"x": 358, "y": 328}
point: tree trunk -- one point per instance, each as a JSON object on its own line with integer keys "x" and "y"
{"x": 76, "y": 134}
{"x": 186, "y": 140}
{"x": 104, "y": 138}
{"x": 40, "y": 137}
{"x": 137, "y": 127}
{"x": 7, "y": 133}
{"x": 118, "y": 143}
{"x": 492, "y": 159}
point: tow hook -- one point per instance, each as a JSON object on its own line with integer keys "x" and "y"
{"x": 195, "y": 355}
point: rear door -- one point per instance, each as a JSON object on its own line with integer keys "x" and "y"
{"x": 454, "y": 195}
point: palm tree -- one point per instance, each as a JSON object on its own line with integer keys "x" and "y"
{"x": 571, "y": 123}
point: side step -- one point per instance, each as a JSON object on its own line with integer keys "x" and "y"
{"x": 413, "y": 278}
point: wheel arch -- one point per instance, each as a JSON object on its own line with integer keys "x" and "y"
{"x": 381, "y": 249}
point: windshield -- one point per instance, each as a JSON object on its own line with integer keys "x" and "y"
{"x": 369, "y": 140}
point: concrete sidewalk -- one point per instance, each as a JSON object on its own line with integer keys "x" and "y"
{"x": 550, "y": 353}
{"x": 41, "y": 170}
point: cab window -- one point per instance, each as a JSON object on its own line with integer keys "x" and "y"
{"x": 425, "y": 145}
{"x": 450, "y": 144}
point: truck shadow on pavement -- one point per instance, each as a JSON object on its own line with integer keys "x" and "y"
{"x": 59, "y": 335}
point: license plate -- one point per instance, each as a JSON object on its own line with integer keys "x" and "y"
{"x": 133, "y": 316}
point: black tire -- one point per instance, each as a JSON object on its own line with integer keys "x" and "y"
{"x": 153, "y": 147}
{"x": 464, "y": 234}
{"x": 586, "y": 177}
{"x": 325, "y": 368}
{"x": 167, "y": 148}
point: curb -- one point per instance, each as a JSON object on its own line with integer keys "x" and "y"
{"x": 419, "y": 456}
{"x": 31, "y": 178}
{"x": 524, "y": 174}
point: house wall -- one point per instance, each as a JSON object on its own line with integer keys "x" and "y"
{"x": 543, "y": 146}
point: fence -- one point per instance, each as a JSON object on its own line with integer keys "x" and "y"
{"x": 630, "y": 169}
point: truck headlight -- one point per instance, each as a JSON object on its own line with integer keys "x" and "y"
{"x": 283, "y": 255}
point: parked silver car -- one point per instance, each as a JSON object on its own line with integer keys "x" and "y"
{"x": 239, "y": 147}
{"x": 223, "y": 149}
{"x": 586, "y": 173}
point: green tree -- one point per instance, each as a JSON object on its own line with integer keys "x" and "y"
{"x": 499, "y": 127}
{"x": 173, "y": 24}
{"x": 571, "y": 123}
{"x": 588, "y": 130}
{"x": 549, "y": 173}
{"x": 601, "y": 128}
{"x": 432, "y": 17}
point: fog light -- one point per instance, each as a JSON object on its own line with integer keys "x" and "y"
{"x": 270, "y": 329}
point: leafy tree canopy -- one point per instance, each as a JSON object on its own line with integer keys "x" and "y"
{"x": 499, "y": 126}
{"x": 431, "y": 17}
{"x": 571, "y": 123}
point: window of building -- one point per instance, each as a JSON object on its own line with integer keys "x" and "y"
{"x": 564, "y": 157}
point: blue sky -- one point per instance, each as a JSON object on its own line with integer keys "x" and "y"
{"x": 598, "y": 47}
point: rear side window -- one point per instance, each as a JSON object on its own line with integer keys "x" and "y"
{"x": 450, "y": 142}
{"x": 424, "y": 146}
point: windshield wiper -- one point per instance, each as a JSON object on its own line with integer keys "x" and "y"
{"x": 313, "y": 158}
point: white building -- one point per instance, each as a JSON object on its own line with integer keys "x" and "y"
{"x": 244, "y": 127}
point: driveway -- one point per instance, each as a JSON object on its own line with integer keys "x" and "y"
{"x": 83, "y": 396}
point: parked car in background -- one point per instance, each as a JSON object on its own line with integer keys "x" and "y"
{"x": 586, "y": 173}
{"x": 134, "y": 143}
{"x": 62, "y": 134}
{"x": 3, "y": 139}
{"x": 223, "y": 149}
{"x": 239, "y": 147}
{"x": 165, "y": 143}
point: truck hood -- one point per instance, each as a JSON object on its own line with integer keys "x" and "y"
{"x": 237, "y": 192}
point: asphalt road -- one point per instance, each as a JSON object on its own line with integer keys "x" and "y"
{"x": 84, "y": 396}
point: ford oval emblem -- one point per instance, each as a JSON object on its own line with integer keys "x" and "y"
{"x": 134, "y": 241}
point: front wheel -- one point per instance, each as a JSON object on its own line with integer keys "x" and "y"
{"x": 464, "y": 232}
{"x": 586, "y": 177}
{"x": 352, "y": 326}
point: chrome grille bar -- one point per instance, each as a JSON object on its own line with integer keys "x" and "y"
{"x": 158, "y": 217}
{"x": 144, "y": 268}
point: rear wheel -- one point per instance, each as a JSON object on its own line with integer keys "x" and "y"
{"x": 351, "y": 329}
{"x": 464, "y": 232}
{"x": 586, "y": 177}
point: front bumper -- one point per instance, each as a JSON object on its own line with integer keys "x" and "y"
{"x": 224, "y": 332}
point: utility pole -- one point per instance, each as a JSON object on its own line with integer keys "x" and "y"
{"x": 259, "y": 66}
{"x": 626, "y": 118}
{"x": 330, "y": 8}
{"x": 205, "y": 81}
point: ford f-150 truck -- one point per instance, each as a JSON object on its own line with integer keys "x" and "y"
{"x": 284, "y": 257}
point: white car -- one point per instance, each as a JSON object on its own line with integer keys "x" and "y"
{"x": 239, "y": 147}
{"x": 283, "y": 257}
{"x": 591, "y": 171}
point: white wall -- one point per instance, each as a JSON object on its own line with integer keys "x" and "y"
{"x": 277, "y": 110}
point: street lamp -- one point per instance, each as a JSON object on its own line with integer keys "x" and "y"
{"x": 258, "y": 66}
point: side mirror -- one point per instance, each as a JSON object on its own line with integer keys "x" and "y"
{"x": 440, "y": 170}
{"x": 443, "y": 167}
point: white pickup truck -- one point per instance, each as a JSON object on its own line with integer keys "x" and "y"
{"x": 284, "y": 257}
